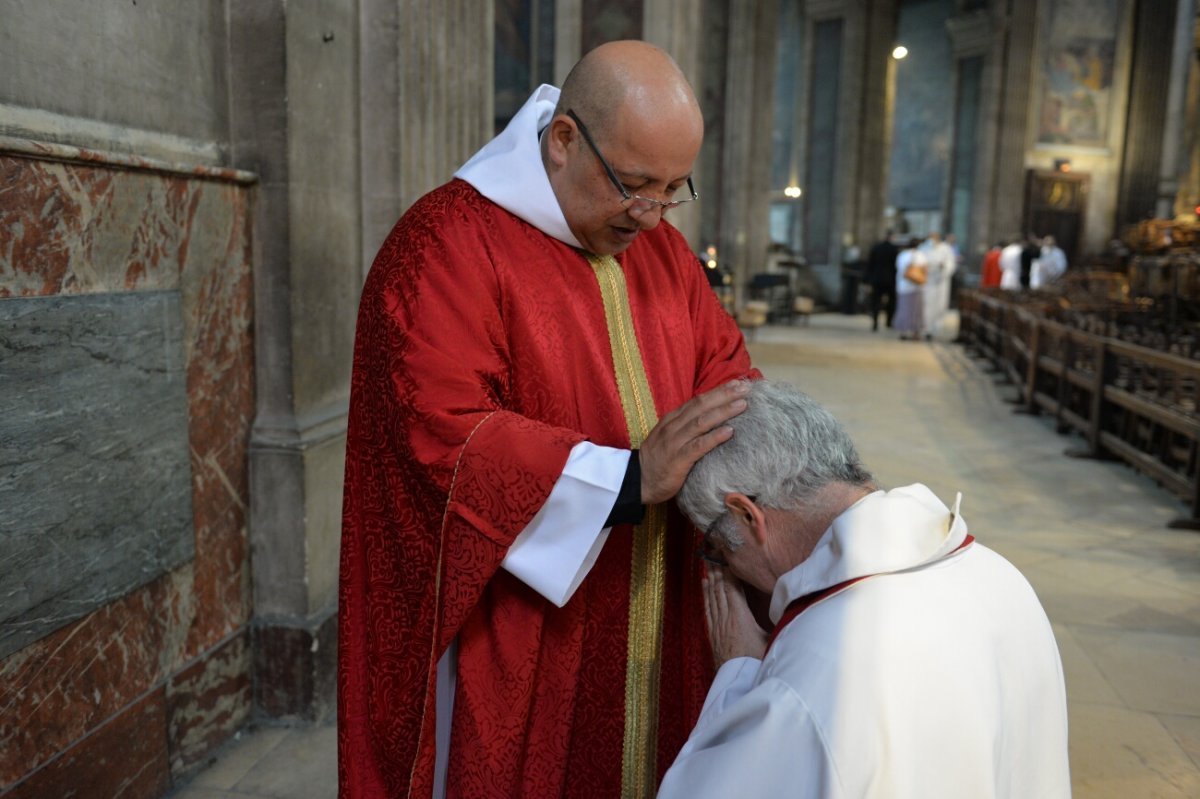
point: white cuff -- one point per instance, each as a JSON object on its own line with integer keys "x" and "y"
{"x": 557, "y": 549}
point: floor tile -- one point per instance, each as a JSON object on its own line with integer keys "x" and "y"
{"x": 1152, "y": 672}
{"x": 241, "y": 755}
{"x": 1122, "y": 754}
{"x": 302, "y": 766}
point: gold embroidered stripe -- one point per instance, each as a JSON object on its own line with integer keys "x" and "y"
{"x": 647, "y": 573}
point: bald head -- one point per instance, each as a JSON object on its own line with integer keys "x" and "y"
{"x": 630, "y": 83}
{"x": 645, "y": 133}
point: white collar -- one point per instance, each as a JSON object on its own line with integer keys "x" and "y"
{"x": 882, "y": 533}
{"x": 509, "y": 171}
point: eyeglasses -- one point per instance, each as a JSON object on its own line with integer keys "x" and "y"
{"x": 708, "y": 551}
{"x": 635, "y": 203}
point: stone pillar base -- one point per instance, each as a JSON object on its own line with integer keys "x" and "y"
{"x": 295, "y": 668}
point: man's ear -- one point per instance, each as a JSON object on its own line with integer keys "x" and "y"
{"x": 747, "y": 514}
{"x": 559, "y": 137}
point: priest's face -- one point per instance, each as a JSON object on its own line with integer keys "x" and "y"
{"x": 761, "y": 554}
{"x": 613, "y": 186}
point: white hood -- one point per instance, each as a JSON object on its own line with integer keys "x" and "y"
{"x": 509, "y": 169}
{"x": 882, "y": 533}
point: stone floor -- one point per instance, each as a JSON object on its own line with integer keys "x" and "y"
{"x": 1122, "y": 590}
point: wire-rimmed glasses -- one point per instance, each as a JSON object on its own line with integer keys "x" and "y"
{"x": 635, "y": 202}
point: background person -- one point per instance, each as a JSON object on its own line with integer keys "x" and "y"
{"x": 910, "y": 314}
{"x": 1010, "y": 265}
{"x": 989, "y": 273}
{"x": 1029, "y": 253}
{"x": 881, "y": 277}
{"x": 1051, "y": 264}
{"x": 941, "y": 266}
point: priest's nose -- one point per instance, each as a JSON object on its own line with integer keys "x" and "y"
{"x": 648, "y": 219}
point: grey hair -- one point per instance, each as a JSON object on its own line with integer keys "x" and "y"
{"x": 785, "y": 448}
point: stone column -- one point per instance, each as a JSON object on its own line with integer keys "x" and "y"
{"x": 446, "y": 89}
{"x": 746, "y": 144}
{"x": 568, "y": 37}
{"x": 1174, "y": 156}
{"x": 675, "y": 26}
{"x": 380, "y": 158}
{"x": 294, "y": 99}
{"x": 870, "y": 47}
{"x": 1188, "y": 199}
{"x": 832, "y": 29}
{"x": 710, "y": 90}
{"x": 349, "y": 113}
{"x": 1004, "y": 116}
{"x": 972, "y": 36}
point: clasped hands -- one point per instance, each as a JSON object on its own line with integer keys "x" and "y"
{"x": 680, "y": 439}
{"x": 732, "y": 628}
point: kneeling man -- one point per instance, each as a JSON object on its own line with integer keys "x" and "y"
{"x": 906, "y": 659}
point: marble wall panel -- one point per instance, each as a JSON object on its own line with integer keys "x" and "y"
{"x": 207, "y": 702}
{"x": 219, "y": 349}
{"x": 71, "y": 229}
{"x": 115, "y": 224}
{"x": 96, "y": 483}
{"x": 55, "y": 691}
{"x": 127, "y": 757}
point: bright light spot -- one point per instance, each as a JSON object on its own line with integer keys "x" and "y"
{"x": 712, "y": 264}
{"x": 792, "y": 191}
{"x": 900, "y": 52}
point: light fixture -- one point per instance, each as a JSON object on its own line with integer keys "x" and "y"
{"x": 899, "y": 52}
{"x": 792, "y": 191}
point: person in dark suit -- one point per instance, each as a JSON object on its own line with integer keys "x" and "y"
{"x": 881, "y": 276}
{"x": 1033, "y": 248}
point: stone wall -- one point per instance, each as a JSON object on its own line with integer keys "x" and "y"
{"x": 128, "y": 245}
{"x": 136, "y": 633}
{"x": 129, "y": 282}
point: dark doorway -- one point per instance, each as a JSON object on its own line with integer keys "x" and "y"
{"x": 1055, "y": 203}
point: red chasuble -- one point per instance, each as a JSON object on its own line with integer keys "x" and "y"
{"x": 482, "y": 357}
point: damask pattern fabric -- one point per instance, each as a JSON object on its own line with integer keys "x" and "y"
{"x": 481, "y": 359}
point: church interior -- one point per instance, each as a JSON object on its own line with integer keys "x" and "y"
{"x": 191, "y": 196}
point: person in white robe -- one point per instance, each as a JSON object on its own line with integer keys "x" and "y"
{"x": 907, "y": 660}
{"x": 1010, "y": 265}
{"x": 942, "y": 264}
{"x": 1049, "y": 266}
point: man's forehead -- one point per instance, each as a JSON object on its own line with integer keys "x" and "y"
{"x": 655, "y": 150}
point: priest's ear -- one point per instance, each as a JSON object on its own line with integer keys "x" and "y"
{"x": 747, "y": 514}
{"x": 559, "y": 137}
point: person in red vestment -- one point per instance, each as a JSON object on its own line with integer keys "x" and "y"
{"x": 990, "y": 274}
{"x": 538, "y": 363}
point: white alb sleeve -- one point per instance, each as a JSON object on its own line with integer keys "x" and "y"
{"x": 558, "y": 548}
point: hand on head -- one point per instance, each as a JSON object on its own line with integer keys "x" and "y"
{"x": 684, "y": 435}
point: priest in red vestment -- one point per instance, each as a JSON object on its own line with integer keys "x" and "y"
{"x": 539, "y": 361}
{"x": 990, "y": 273}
